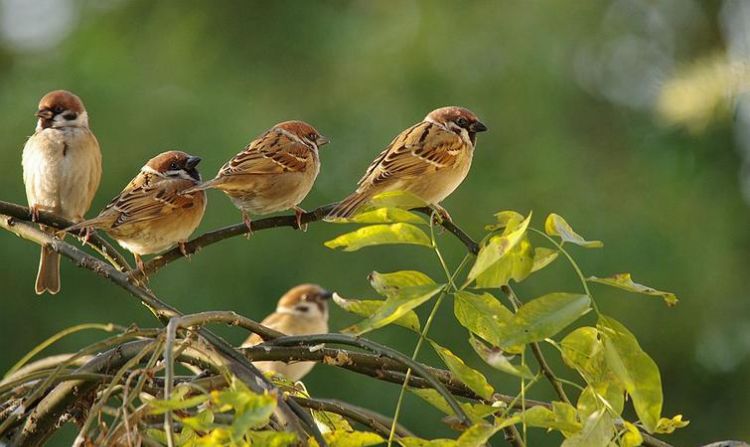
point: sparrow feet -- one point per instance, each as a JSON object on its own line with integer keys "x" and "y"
{"x": 86, "y": 235}
{"x": 138, "y": 275}
{"x": 248, "y": 223}
{"x": 34, "y": 210}
{"x": 298, "y": 213}
{"x": 184, "y": 249}
{"x": 441, "y": 214}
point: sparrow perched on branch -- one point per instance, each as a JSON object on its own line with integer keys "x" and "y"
{"x": 429, "y": 160}
{"x": 274, "y": 172}
{"x": 62, "y": 166}
{"x": 153, "y": 213}
{"x": 303, "y": 310}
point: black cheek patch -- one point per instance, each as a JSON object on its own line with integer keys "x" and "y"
{"x": 70, "y": 116}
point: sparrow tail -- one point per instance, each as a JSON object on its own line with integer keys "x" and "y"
{"x": 347, "y": 207}
{"x": 48, "y": 277}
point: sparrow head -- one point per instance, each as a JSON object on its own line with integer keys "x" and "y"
{"x": 61, "y": 108}
{"x": 174, "y": 164}
{"x": 306, "y": 300}
{"x": 459, "y": 120}
{"x": 303, "y": 132}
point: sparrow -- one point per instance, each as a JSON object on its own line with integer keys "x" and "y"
{"x": 62, "y": 166}
{"x": 273, "y": 173}
{"x": 152, "y": 213}
{"x": 303, "y": 310}
{"x": 429, "y": 160}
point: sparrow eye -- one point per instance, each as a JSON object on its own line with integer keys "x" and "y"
{"x": 173, "y": 166}
{"x": 57, "y": 110}
{"x": 312, "y": 137}
{"x": 461, "y": 121}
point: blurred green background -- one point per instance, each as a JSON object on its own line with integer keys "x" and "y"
{"x": 570, "y": 90}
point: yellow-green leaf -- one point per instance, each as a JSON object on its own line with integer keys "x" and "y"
{"x": 625, "y": 282}
{"x": 469, "y": 376}
{"x": 555, "y": 225}
{"x": 515, "y": 265}
{"x": 269, "y": 438}
{"x": 482, "y": 314}
{"x": 388, "y": 284}
{"x": 631, "y": 436}
{"x": 477, "y": 435}
{"x": 543, "y": 257}
{"x": 395, "y": 199}
{"x": 340, "y": 438}
{"x": 496, "y": 359}
{"x": 598, "y": 430}
{"x": 497, "y": 247}
{"x": 365, "y": 308}
{"x": 476, "y": 412}
{"x": 635, "y": 369}
{"x": 604, "y": 395}
{"x": 162, "y": 406}
{"x": 405, "y": 290}
{"x": 505, "y": 219}
{"x": 667, "y": 426}
{"x": 384, "y": 215}
{"x": 544, "y": 317}
{"x": 418, "y": 442}
{"x": 563, "y": 418}
{"x": 384, "y": 234}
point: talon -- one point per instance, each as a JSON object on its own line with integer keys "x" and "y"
{"x": 248, "y": 223}
{"x": 442, "y": 212}
{"x": 87, "y": 232}
{"x": 139, "y": 274}
{"x": 298, "y": 213}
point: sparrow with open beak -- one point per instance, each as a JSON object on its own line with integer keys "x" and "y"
{"x": 274, "y": 173}
{"x": 153, "y": 213}
{"x": 303, "y": 310}
{"x": 62, "y": 166}
{"x": 429, "y": 159}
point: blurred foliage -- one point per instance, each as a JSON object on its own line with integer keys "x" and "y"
{"x": 544, "y": 76}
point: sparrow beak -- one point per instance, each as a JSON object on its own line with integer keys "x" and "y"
{"x": 477, "y": 126}
{"x": 44, "y": 114}
{"x": 322, "y": 140}
{"x": 326, "y": 294}
{"x": 192, "y": 162}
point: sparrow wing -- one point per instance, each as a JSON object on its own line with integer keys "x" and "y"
{"x": 274, "y": 321}
{"x": 148, "y": 197}
{"x": 419, "y": 150}
{"x": 273, "y": 153}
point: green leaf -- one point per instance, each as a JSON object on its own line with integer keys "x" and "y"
{"x": 365, "y": 308}
{"x": 635, "y": 369}
{"x": 478, "y": 434}
{"x": 505, "y": 219}
{"x": 555, "y": 225}
{"x": 162, "y": 406}
{"x": 625, "y": 282}
{"x": 398, "y": 233}
{"x": 598, "y": 430}
{"x": 482, "y": 314}
{"x": 404, "y": 291}
{"x": 667, "y": 426}
{"x": 341, "y": 438}
{"x": 384, "y": 215}
{"x": 607, "y": 395}
{"x": 543, "y": 257}
{"x": 561, "y": 418}
{"x": 495, "y": 358}
{"x": 544, "y": 317}
{"x": 469, "y": 376}
{"x": 497, "y": 247}
{"x": 203, "y": 421}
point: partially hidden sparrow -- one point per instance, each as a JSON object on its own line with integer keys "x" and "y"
{"x": 429, "y": 160}
{"x": 273, "y": 173}
{"x": 303, "y": 310}
{"x": 62, "y": 166}
{"x": 153, "y": 213}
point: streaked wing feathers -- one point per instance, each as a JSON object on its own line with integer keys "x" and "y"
{"x": 272, "y": 153}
